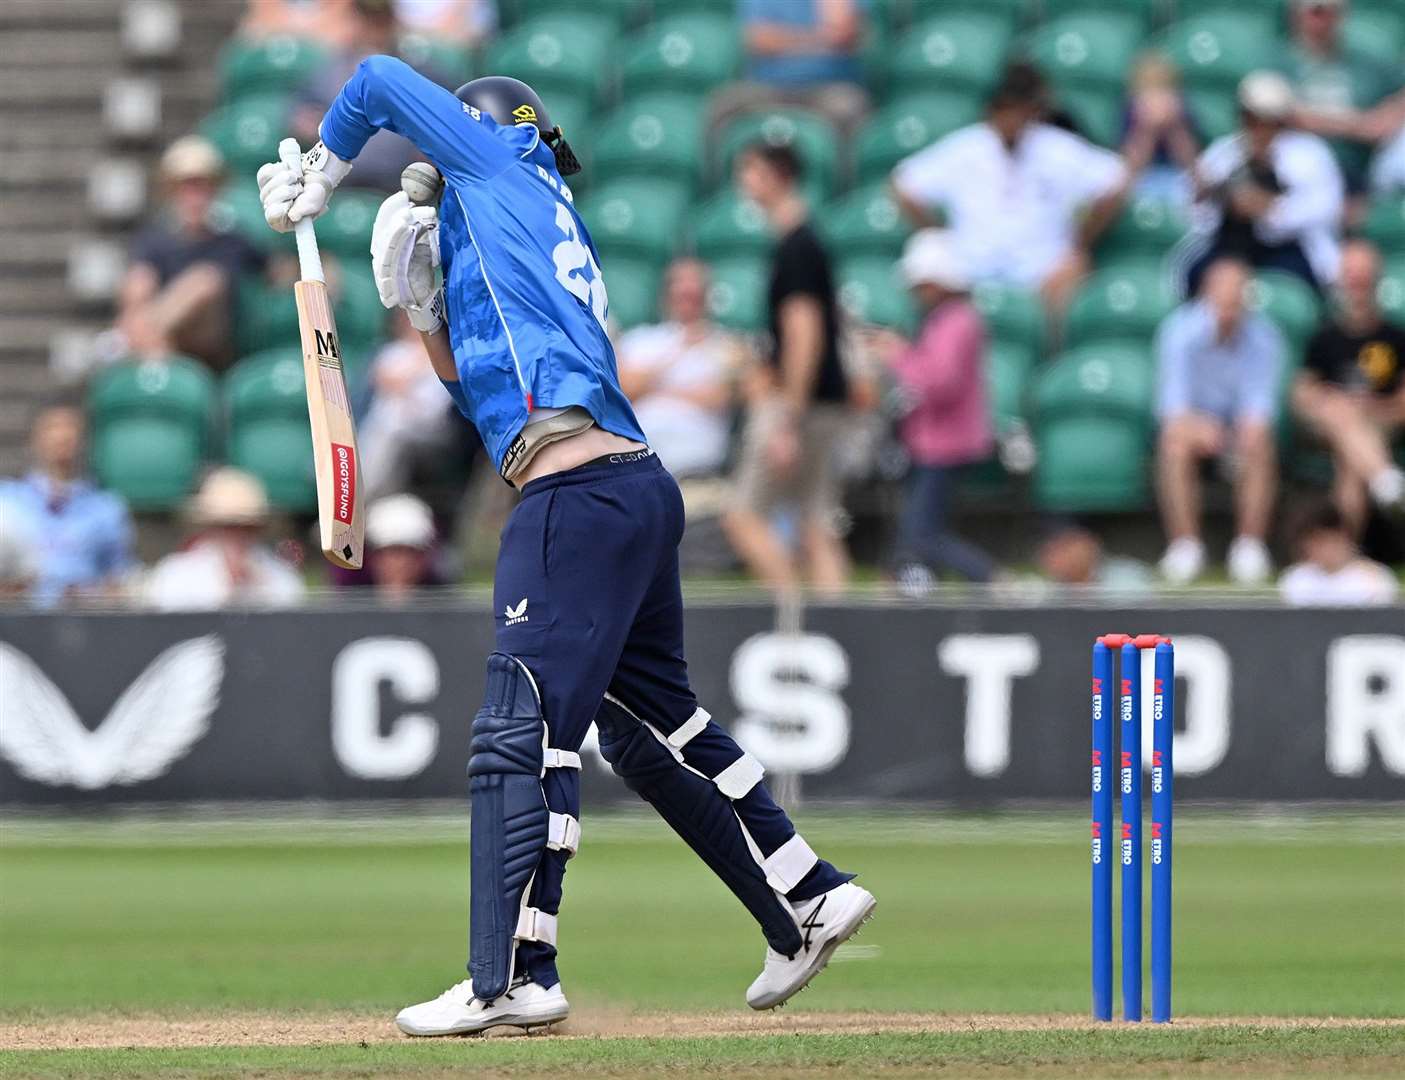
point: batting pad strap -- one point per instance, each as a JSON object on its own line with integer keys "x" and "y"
{"x": 533, "y": 924}
{"x": 563, "y": 833}
{"x": 560, "y": 759}
{"x": 689, "y": 728}
{"x": 739, "y": 777}
{"x": 787, "y": 866}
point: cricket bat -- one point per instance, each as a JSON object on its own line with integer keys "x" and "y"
{"x": 340, "y": 517}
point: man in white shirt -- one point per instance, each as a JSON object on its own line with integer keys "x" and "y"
{"x": 1268, "y": 194}
{"x": 1023, "y": 200}
{"x": 678, "y": 376}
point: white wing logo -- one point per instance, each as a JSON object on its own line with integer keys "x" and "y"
{"x": 154, "y": 723}
{"x": 516, "y": 612}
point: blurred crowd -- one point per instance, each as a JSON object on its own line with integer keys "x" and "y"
{"x": 772, "y": 434}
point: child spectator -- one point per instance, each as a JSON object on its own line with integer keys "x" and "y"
{"x": 1330, "y": 571}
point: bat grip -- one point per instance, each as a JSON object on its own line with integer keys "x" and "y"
{"x": 309, "y": 257}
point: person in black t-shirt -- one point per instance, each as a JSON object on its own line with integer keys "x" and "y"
{"x": 787, "y": 456}
{"x": 178, "y": 292}
{"x": 1351, "y": 391}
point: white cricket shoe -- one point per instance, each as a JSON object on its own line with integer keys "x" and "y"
{"x": 1249, "y": 561}
{"x": 457, "y": 1012}
{"x": 1183, "y": 561}
{"x": 826, "y": 922}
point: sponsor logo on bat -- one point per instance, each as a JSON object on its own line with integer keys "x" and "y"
{"x": 344, "y": 476}
{"x": 327, "y": 351}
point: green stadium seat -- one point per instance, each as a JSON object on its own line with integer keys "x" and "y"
{"x": 621, "y": 13}
{"x": 1008, "y": 369}
{"x": 1092, "y": 412}
{"x": 809, "y": 134}
{"x": 1391, "y": 290}
{"x": 266, "y": 316}
{"x": 247, "y": 132}
{"x": 1144, "y": 11}
{"x": 688, "y": 53}
{"x": 729, "y": 225}
{"x": 275, "y": 65}
{"x": 1291, "y": 303}
{"x": 960, "y": 49}
{"x": 557, "y": 54}
{"x": 238, "y": 209}
{"x": 659, "y": 135}
{"x": 361, "y": 319}
{"x": 1125, "y": 302}
{"x": 269, "y": 434}
{"x": 737, "y": 295}
{"x": 865, "y": 222}
{"x": 1146, "y": 227}
{"x": 1219, "y": 48}
{"x": 1011, "y": 315}
{"x": 152, "y": 427}
{"x": 1089, "y": 48}
{"x": 345, "y": 229}
{"x": 907, "y": 125}
{"x": 633, "y": 288}
{"x": 1266, "y": 9}
{"x": 636, "y": 217}
{"x": 1378, "y": 34}
{"x": 1215, "y": 110}
{"x": 438, "y": 58}
{"x": 1096, "y": 111}
{"x": 1013, "y": 12}
{"x": 871, "y": 292}
{"x": 1385, "y": 223}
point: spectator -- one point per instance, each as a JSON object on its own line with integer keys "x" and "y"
{"x": 1351, "y": 391}
{"x": 400, "y": 539}
{"x": 677, "y": 375}
{"x": 461, "y": 23}
{"x": 327, "y": 21}
{"x": 1329, "y": 75}
{"x": 787, "y": 455}
{"x": 179, "y": 292}
{"x": 226, "y": 564}
{"x": 410, "y": 419}
{"x": 948, "y": 425}
{"x": 1219, "y": 368}
{"x": 1388, "y": 170}
{"x": 1159, "y": 142}
{"x": 1267, "y": 194}
{"x": 1072, "y": 559}
{"x": 800, "y": 52}
{"x": 83, "y": 534}
{"x": 1331, "y": 572}
{"x": 1012, "y": 188}
{"x": 374, "y": 31}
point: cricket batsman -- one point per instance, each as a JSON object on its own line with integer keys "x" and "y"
{"x": 586, "y": 592}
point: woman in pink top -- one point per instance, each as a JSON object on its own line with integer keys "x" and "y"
{"x": 947, "y": 424}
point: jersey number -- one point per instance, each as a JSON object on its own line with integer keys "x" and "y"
{"x": 572, "y": 257}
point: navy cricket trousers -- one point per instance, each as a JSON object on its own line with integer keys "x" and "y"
{"x": 587, "y": 596}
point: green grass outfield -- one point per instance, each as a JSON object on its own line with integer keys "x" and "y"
{"x": 199, "y": 917}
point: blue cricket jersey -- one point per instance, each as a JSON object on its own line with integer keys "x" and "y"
{"x": 525, "y": 301}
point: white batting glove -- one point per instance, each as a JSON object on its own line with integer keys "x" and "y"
{"x": 405, "y": 252}
{"x": 429, "y": 317}
{"x": 288, "y": 197}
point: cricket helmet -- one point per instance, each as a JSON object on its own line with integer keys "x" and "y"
{"x": 510, "y": 101}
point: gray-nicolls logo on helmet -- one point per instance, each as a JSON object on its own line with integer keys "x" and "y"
{"x": 510, "y": 101}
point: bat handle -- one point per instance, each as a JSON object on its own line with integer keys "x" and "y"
{"x": 309, "y": 257}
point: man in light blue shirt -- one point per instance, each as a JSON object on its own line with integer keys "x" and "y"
{"x": 83, "y": 534}
{"x": 1219, "y": 374}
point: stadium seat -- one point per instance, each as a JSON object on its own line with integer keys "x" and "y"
{"x": 1124, "y": 302}
{"x": 564, "y": 53}
{"x": 1385, "y": 224}
{"x": 438, "y": 58}
{"x": 621, "y": 13}
{"x": 1391, "y": 290}
{"x": 737, "y": 296}
{"x": 269, "y": 434}
{"x": 1092, "y": 411}
{"x": 1013, "y": 12}
{"x": 266, "y": 316}
{"x": 871, "y": 292}
{"x": 809, "y": 134}
{"x": 1291, "y": 303}
{"x": 238, "y": 209}
{"x": 956, "y": 50}
{"x": 275, "y": 65}
{"x": 361, "y": 320}
{"x": 864, "y": 222}
{"x": 1096, "y": 112}
{"x": 689, "y": 53}
{"x": 1088, "y": 48}
{"x": 1219, "y": 48}
{"x": 1379, "y": 34}
{"x": 633, "y": 289}
{"x": 636, "y": 217}
{"x": 247, "y": 132}
{"x": 728, "y": 225}
{"x": 907, "y": 125}
{"x": 1011, "y": 315}
{"x": 1214, "y": 109}
{"x": 1146, "y": 227}
{"x": 1144, "y": 11}
{"x": 1008, "y": 369}
{"x": 152, "y": 426}
{"x": 1269, "y": 9}
{"x": 345, "y": 229}
{"x": 659, "y": 135}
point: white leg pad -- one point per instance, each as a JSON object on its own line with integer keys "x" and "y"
{"x": 739, "y": 777}
{"x": 691, "y": 727}
{"x": 563, "y": 834}
{"x": 787, "y": 866}
{"x": 536, "y": 925}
